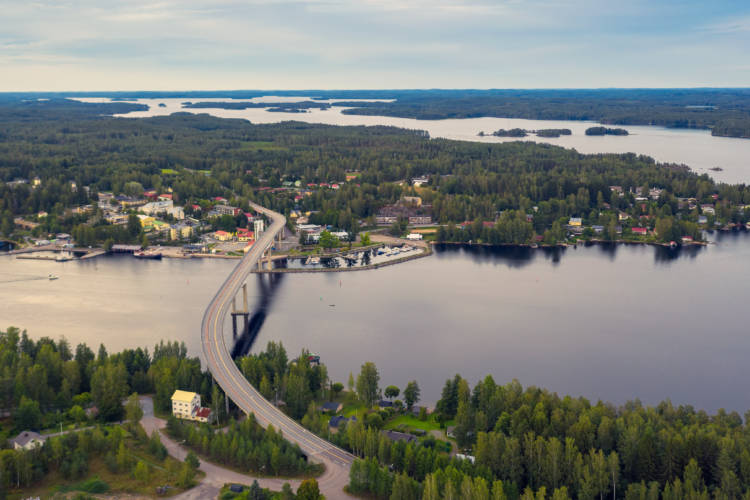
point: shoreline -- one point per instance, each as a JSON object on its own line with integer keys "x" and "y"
{"x": 543, "y": 246}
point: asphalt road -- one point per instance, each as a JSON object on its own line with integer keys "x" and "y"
{"x": 242, "y": 393}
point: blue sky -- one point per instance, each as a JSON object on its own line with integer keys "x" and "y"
{"x": 330, "y": 44}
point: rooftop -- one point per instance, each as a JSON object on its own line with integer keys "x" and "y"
{"x": 183, "y": 396}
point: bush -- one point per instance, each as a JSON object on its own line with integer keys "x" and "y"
{"x": 93, "y": 485}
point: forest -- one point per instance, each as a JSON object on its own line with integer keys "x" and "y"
{"x": 533, "y": 444}
{"x": 200, "y": 157}
{"x": 725, "y": 111}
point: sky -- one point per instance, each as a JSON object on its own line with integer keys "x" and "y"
{"x": 371, "y": 44}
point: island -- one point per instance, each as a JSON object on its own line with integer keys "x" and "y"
{"x": 606, "y": 131}
{"x": 519, "y": 132}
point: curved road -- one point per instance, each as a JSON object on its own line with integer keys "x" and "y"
{"x": 241, "y": 392}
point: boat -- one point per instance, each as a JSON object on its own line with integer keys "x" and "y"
{"x": 63, "y": 258}
{"x": 52, "y": 277}
{"x": 147, "y": 255}
{"x": 314, "y": 261}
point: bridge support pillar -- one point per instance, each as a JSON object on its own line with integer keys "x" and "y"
{"x": 244, "y": 313}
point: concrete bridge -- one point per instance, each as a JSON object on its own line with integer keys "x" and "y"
{"x": 235, "y": 385}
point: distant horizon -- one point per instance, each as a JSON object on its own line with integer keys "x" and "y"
{"x": 364, "y": 89}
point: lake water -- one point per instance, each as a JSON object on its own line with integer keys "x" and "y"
{"x": 605, "y": 322}
{"x": 695, "y": 148}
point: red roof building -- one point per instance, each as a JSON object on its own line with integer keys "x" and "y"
{"x": 165, "y": 197}
{"x": 640, "y": 230}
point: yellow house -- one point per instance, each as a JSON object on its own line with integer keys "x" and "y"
{"x": 575, "y": 221}
{"x": 223, "y": 236}
{"x": 187, "y": 405}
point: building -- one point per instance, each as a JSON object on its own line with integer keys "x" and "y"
{"x": 640, "y": 230}
{"x": 227, "y": 210}
{"x": 27, "y": 440}
{"x": 163, "y": 207}
{"x": 332, "y": 407}
{"x": 165, "y": 197}
{"x": 708, "y": 209}
{"x": 147, "y": 222}
{"x": 127, "y": 201}
{"x": 420, "y": 181}
{"x": 187, "y": 405}
{"x": 244, "y": 234}
{"x": 400, "y": 436}
{"x": 575, "y": 222}
{"x": 414, "y": 236}
{"x": 258, "y": 226}
{"x": 415, "y": 201}
{"x": 223, "y": 235}
{"x": 180, "y": 231}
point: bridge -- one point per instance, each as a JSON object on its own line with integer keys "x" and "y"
{"x": 235, "y": 385}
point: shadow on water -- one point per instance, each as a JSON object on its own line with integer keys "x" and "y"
{"x": 268, "y": 285}
{"x": 510, "y": 256}
{"x": 6, "y": 246}
{"x": 666, "y": 255}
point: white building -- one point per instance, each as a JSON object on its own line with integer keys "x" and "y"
{"x": 163, "y": 207}
{"x": 187, "y": 405}
{"x": 258, "y": 227}
{"x": 414, "y": 236}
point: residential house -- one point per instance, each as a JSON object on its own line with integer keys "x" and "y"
{"x": 400, "y": 436}
{"x": 642, "y": 231}
{"x": 331, "y": 406}
{"x": 187, "y": 405}
{"x": 385, "y": 404}
{"x": 575, "y": 222}
{"x": 702, "y": 219}
{"x": 414, "y": 236}
{"x": 598, "y": 229}
{"x": 27, "y": 440}
{"x": 165, "y": 197}
{"x": 708, "y": 209}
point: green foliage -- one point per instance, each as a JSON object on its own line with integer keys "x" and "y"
{"x": 245, "y": 445}
{"x": 368, "y": 381}
{"x": 328, "y": 240}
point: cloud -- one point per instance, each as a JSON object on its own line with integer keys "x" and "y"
{"x": 370, "y": 43}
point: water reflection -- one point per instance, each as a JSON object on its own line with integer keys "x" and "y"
{"x": 268, "y": 287}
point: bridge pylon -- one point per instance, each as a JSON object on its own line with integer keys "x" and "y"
{"x": 244, "y": 313}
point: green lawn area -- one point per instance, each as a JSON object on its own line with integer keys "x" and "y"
{"x": 169, "y": 171}
{"x": 412, "y": 422}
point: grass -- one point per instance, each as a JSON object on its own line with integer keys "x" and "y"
{"x": 411, "y": 422}
{"x": 169, "y": 171}
{"x": 99, "y": 475}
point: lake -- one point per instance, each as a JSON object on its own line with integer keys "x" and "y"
{"x": 610, "y": 322}
{"x": 695, "y": 148}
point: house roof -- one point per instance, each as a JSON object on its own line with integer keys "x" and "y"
{"x": 336, "y": 420}
{"x": 331, "y": 405}
{"x": 385, "y": 404}
{"x": 25, "y": 437}
{"x": 203, "y": 413}
{"x": 400, "y": 436}
{"x": 183, "y": 396}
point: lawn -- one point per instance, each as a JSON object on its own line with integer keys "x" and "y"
{"x": 411, "y": 422}
{"x": 169, "y": 171}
